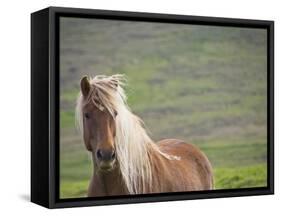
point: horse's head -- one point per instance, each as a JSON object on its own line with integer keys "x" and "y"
{"x": 112, "y": 133}
{"x": 99, "y": 127}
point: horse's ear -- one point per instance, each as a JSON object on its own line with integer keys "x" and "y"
{"x": 85, "y": 86}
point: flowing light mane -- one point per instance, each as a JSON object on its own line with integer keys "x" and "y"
{"x": 133, "y": 145}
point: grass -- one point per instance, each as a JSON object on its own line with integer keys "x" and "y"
{"x": 225, "y": 178}
{"x": 242, "y": 177}
{"x": 73, "y": 189}
{"x": 205, "y": 85}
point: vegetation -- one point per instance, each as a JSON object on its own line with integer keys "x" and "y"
{"x": 205, "y": 85}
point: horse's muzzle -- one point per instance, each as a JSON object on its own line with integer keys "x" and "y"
{"x": 105, "y": 155}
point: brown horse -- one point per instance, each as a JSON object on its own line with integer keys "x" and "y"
{"x": 126, "y": 160}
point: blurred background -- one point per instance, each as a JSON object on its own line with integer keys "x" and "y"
{"x": 203, "y": 84}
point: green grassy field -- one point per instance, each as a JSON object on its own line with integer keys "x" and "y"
{"x": 205, "y": 85}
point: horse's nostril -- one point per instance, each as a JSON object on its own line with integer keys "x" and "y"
{"x": 99, "y": 154}
{"x": 113, "y": 155}
{"x": 105, "y": 155}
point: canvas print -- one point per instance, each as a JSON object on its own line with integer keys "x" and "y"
{"x": 150, "y": 107}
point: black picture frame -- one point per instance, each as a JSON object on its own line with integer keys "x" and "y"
{"x": 45, "y": 106}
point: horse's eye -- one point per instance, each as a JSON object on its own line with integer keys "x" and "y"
{"x": 115, "y": 113}
{"x": 87, "y": 116}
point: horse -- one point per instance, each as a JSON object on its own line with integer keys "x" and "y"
{"x": 125, "y": 159}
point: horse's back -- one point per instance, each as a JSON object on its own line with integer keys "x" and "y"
{"x": 191, "y": 160}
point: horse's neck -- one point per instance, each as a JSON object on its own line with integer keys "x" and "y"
{"x": 111, "y": 182}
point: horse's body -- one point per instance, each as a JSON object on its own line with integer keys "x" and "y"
{"x": 192, "y": 172}
{"x": 131, "y": 163}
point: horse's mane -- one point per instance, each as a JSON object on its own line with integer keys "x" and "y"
{"x": 132, "y": 143}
